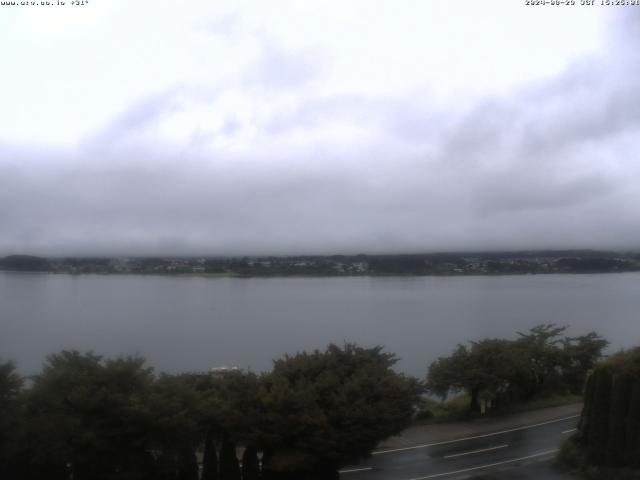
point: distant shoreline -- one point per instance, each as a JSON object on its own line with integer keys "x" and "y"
{"x": 303, "y": 275}
{"x": 361, "y": 265}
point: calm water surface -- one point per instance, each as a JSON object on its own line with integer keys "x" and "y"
{"x": 192, "y": 323}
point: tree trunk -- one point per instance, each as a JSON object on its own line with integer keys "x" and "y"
{"x": 229, "y": 466}
{"x": 474, "y": 406}
{"x": 210, "y": 458}
{"x": 250, "y": 467}
{"x": 266, "y": 472}
{"x": 188, "y": 469}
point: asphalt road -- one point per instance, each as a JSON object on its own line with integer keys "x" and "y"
{"x": 512, "y": 453}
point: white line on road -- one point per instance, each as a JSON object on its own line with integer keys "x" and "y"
{"x": 568, "y": 431}
{"x": 476, "y": 451}
{"x": 436, "y": 475}
{"x": 426, "y": 445}
{"x": 353, "y": 470}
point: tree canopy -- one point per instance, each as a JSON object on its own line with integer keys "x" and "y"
{"x": 95, "y": 418}
{"x": 498, "y": 371}
{"x": 330, "y": 408}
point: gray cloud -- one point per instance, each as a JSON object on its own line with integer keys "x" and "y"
{"x": 553, "y": 165}
{"x": 137, "y": 117}
{"x": 282, "y": 69}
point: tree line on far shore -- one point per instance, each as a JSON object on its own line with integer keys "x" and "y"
{"x": 92, "y": 418}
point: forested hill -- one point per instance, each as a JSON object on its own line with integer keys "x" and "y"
{"x": 27, "y": 263}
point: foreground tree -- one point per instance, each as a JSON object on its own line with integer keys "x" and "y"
{"x": 176, "y": 431}
{"x": 12, "y": 439}
{"x": 494, "y": 372}
{"x": 541, "y": 346}
{"x": 580, "y": 355}
{"x": 230, "y": 416}
{"x": 488, "y": 370}
{"x": 88, "y": 417}
{"x": 326, "y": 409}
{"x": 609, "y": 431}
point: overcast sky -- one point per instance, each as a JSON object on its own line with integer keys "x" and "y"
{"x": 252, "y": 127}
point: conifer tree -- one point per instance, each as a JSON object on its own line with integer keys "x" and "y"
{"x": 599, "y": 423}
{"x": 632, "y": 434}
{"x": 609, "y": 430}
{"x": 620, "y": 399}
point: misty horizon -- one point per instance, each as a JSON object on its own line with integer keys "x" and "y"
{"x": 469, "y": 252}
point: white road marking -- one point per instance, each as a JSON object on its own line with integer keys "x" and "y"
{"x": 426, "y": 445}
{"x": 353, "y": 470}
{"x": 476, "y": 451}
{"x": 548, "y": 452}
{"x": 568, "y": 431}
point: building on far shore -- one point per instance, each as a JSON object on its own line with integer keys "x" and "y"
{"x": 221, "y": 372}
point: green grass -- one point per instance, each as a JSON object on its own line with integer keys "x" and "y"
{"x": 457, "y": 408}
{"x": 450, "y": 410}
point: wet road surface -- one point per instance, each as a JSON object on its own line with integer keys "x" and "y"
{"x": 517, "y": 453}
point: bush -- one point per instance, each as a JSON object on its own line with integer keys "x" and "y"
{"x": 571, "y": 456}
{"x": 424, "y": 415}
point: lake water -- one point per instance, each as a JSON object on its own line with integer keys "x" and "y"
{"x": 191, "y": 323}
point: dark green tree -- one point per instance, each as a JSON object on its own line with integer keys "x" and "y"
{"x": 542, "y": 347}
{"x": 448, "y": 374}
{"x": 488, "y": 370}
{"x": 620, "y": 404}
{"x": 11, "y": 383}
{"x": 579, "y": 356}
{"x": 112, "y": 419}
{"x": 177, "y": 430}
{"x": 609, "y": 429}
{"x": 88, "y": 416}
{"x": 501, "y": 372}
{"x": 599, "y": 423}
{"x": 12, "y": 438}
{"x": 230, "y": 410}
{"x": 326, "y": 409}
{"x": 632, "y": 434}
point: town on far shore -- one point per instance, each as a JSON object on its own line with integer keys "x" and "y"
{"x": 465, "y": 263}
